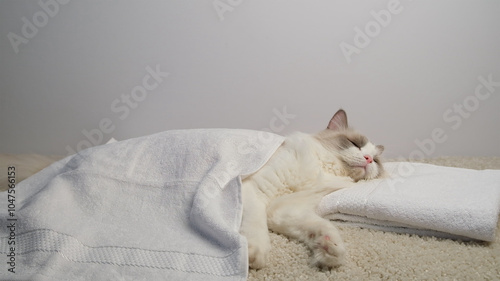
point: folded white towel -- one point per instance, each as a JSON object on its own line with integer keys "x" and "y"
{"x": 161, "y": 207}
{"x": 422, "y": 199}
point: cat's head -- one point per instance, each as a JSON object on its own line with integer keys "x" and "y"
{"x": 358, "y": 157}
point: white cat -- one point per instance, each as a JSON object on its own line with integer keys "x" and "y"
{"x": 284, "y": 193}
{"x": 307, "y": 167}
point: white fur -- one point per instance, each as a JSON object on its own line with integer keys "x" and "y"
{"x": 283, "y": 196}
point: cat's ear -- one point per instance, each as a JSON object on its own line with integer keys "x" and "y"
{"x": 338, "y": 121}
{"x": 380, "y": 149}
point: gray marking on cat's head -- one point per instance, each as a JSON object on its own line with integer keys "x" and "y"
{"x": 358, "y": 157}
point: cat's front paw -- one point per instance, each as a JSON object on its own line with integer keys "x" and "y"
{"x": 328, "y": 249}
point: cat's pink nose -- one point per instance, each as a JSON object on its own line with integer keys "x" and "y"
{"x": 369, "y": 159}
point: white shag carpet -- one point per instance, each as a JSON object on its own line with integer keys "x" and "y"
{"x": 377, "y": 255}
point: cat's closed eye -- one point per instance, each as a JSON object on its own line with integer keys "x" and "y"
{"x": 354, "y": 143}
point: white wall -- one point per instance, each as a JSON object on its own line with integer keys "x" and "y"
{"x": 66, "y": 70}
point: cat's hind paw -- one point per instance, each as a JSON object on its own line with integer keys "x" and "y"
{"x": 328, "y": 250}
{"x": 257, "y": 255}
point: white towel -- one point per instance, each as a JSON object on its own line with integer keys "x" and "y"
{"x": 422, "y": 199}
{"x": 162, "y": 207}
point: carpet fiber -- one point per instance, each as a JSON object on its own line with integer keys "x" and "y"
{"x": 377, "y": 255}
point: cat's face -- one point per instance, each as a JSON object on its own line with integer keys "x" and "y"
{"x": 359, "y": 158}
